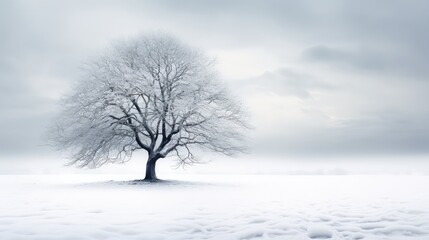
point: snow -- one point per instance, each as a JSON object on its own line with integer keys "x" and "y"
{"x": 214, "y": 207}
{"x": 319, "y": 231}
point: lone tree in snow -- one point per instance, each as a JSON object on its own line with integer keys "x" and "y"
{"x": 152, "y": 93}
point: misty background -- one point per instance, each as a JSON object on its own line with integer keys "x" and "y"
{"x": 332, "y": 87}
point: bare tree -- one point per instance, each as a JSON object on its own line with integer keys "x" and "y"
{"x": 152, "y": 93}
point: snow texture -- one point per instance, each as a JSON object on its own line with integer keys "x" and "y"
{"x": 214, "y": 207}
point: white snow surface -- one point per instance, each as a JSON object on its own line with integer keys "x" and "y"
{"x": 214, "y": 207}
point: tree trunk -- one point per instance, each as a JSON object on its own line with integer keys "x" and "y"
{"x": 150, "y": 170}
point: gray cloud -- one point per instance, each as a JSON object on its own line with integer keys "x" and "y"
{"x": 282, "y": 82}
{"x": 384, "y": 61}
{"x": 358, "y": 60}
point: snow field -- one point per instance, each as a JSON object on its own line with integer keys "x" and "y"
{"x": 214, "y": 207}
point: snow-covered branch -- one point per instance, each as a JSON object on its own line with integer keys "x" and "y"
{"x": 153, "y": 93}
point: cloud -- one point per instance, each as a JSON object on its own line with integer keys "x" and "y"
{"x": 388, "y": 62}
{"x": 284, "y": 82}
{"x": 299, "y": 114}
{"x": 359, "y": 60}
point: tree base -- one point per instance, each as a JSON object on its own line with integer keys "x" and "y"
{"x": 148, "y": 180}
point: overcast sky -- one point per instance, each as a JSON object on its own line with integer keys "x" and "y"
{"x": 320, "y": 78}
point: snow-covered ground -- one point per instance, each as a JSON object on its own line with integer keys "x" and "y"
{"x": 214, "y": 207}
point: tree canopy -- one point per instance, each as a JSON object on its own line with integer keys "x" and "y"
{"x": 153, "y": 93}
